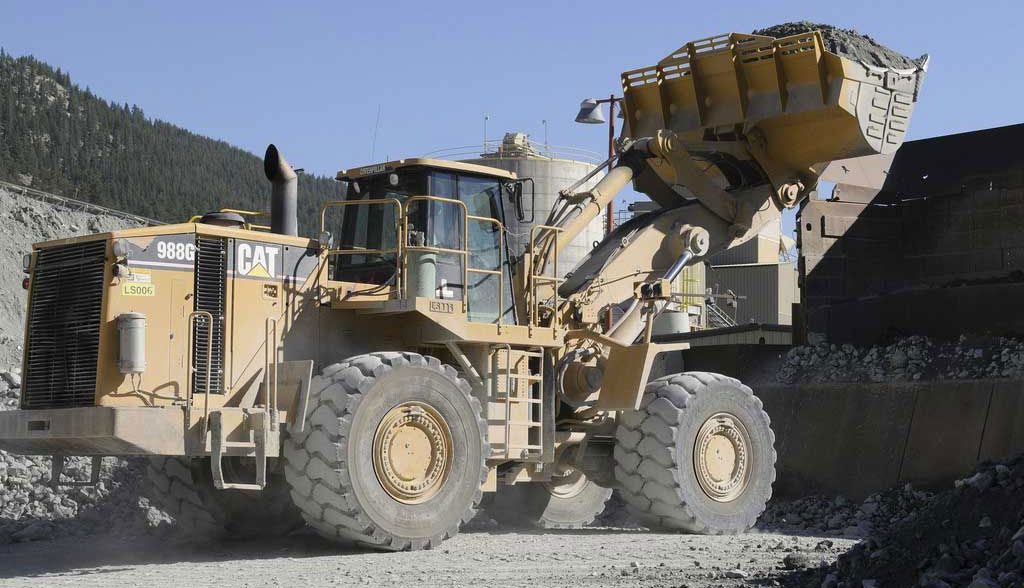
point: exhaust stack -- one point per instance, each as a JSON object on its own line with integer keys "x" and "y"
{"x": 284, "y": 193}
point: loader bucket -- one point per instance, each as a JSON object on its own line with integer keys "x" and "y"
{"x": 809, "y": 105}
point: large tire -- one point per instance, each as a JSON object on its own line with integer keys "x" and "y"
{"x": 331, "y": 466}
{"x": 715, "y": 418}
{"x": 183, "y": 489}
{"x": 570, "y": 504}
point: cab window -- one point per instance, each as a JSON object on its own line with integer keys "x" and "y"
{"x": 373, "y": 226}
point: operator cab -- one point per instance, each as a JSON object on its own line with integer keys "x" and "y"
{"x": 431, "y": 223}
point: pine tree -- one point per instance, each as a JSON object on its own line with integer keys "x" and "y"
{"x": 72, "y": 142}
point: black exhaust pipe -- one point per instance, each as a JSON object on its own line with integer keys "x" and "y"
{"x": 284, "y": 193}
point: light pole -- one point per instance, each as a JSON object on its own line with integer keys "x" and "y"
{"x": 590, "y": 113}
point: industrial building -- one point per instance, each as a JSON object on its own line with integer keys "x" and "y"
{"x": 752, "y": 284}
{"x": 551, "y": 169}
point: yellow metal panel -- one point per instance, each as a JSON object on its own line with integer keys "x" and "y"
{"x": 643, "y": 101}
{"x": 765, "y": 88}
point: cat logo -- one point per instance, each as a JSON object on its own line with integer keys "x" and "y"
{"x": 257, "y": 261}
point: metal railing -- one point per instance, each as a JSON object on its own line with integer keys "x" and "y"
{"x": 398, "y": 227}
{"x": 270, "y": 340}
{"x": 497, "y": 150}
{"x": 189, "y": 396}
{"x": 76, "y": 205}
{"x": 463, "y": 252}
{"x": 718, "y": 319}
{"x": 537, "y": 279}
{"x": 403, "y": 247}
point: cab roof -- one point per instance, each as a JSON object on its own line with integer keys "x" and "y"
{"x": 458, "y": 166}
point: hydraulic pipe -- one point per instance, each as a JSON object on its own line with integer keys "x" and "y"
{"x": 673, "y": 272}
{"x": 594, "y": 202}
{"x": 632, "y": 323}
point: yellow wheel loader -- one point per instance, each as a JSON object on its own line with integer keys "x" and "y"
{"x": 379, "y": 378}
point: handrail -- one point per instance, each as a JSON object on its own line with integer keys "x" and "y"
{"x": 209, "y": 367}
{"x": 464, "y": 252}
{"x": 501, "y": 275}
{"x": 536, "y": 279}
{"x": 271, "y": 364}
{"x": 399, "y": 240}
{"x": 403, "y": 248}
{"x": 508, "y": 391}
{"x": 494, "y": 149}
{"x": 342, "y": 203}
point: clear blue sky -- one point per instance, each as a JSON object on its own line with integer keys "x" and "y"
{"x": 310, "y": 76}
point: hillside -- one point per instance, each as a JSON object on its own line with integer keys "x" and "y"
{"x": 58, "y": 137}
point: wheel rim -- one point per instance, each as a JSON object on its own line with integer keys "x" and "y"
{"x": 721, "y": 457}
{"x": 568, "y": 486}
{"x": 412, "y": 452}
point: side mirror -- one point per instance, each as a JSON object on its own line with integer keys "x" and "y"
{"x": 515, "y": 196}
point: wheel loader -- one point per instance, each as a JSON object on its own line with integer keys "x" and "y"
{"x": 381, "y": 377}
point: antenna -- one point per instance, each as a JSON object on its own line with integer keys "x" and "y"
{"x": 376, "y": 127}
{"x": 487, "y": 117}
{"x": 547, "y": 147}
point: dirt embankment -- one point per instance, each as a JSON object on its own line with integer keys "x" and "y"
{"x": 26, "y": 221}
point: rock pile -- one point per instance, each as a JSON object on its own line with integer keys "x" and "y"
{"x": 971, "y": 535}
{"x": 846, "y": 42}
{"x": 907, "y": 359}
{"x": 30, "y": 510}
{"x": 841, "y": 517}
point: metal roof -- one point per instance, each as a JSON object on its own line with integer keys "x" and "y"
{"x": 380, "y": 168}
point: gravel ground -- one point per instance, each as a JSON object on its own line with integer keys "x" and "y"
{"x": 594, "y": 557}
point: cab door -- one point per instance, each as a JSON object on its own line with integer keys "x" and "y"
{"x": 485, "y": 244}
{"x": 487, "y": 251}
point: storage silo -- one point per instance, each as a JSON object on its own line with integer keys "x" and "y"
{"x": 551, "y": 171}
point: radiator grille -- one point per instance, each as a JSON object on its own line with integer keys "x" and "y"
{"x": 211, "y": 283}
{"x": 64, "y": 326}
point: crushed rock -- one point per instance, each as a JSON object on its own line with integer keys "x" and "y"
{"x": 840, "y": 517}
{"x": 29, "y": 509}
{"x": 908, "y": 359}
{"x": 969, "y": 535}
{"x": 846, "y": 42}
